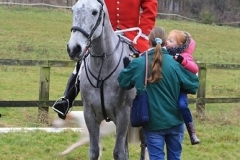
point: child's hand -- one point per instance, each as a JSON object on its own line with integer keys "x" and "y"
{"x": 178, "y": 58}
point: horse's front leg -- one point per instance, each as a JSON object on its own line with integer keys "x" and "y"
{"x": 121, "y": 145}
{"x": 93, "y": 128}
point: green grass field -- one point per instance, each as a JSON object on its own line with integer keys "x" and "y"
{"x": 42, "y": 34}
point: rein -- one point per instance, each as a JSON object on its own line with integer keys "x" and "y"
{"x": 100, "y": 70}
{"x": 106, "y": 55}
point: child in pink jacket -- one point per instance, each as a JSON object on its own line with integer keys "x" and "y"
{"x": 181, "y": 46}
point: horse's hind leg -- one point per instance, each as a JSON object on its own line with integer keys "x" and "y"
{"x": 143, "y": 144}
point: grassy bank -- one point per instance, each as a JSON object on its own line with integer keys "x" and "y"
{"x": 42, "y": 34}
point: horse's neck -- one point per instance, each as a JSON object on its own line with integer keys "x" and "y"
{"x": 108, "y": 49}
{"x": 105, "y": 43}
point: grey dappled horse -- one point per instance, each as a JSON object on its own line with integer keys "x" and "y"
{"x": 93, "y": 40}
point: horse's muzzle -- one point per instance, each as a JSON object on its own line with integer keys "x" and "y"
{"x": 74, "y": 52}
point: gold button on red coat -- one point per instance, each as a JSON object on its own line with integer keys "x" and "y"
{"x": 133, "y": 18}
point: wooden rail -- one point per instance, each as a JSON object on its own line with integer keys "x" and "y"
{"x": 43, "y": 103}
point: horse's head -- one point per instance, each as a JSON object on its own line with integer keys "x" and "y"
{"x": 88, "y": 18}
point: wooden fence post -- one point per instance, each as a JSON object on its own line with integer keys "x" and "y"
{"x": 44, "y": 93}
{"x": 201, "y": 94}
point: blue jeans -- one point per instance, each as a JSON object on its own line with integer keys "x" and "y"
{"x": 173, "y": 137}
{"x": 183, "y": 107}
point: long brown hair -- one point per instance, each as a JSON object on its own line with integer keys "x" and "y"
{"x": 156, "y": 66}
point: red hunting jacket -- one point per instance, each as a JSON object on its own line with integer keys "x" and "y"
{"x": 126, "y": 14}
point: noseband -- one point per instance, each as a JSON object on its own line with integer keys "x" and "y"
{"x": 89, "y": 36}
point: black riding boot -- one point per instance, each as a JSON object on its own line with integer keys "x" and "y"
{"x": 191, "y": 131}
{"x": 63, "y": 105}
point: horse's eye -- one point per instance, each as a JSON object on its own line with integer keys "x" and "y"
{"x": 94, "y": 13}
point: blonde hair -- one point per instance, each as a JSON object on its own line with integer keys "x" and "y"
{"x": 156, "y": 66}
{"x": 181, "y": 36}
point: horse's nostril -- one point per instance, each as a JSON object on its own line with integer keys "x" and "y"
{"x": 74, "y": 51}
{"x": 77, "y": 49}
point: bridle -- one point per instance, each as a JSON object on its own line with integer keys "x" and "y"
{"x": 100, "y": 81}
{"x": 89, "y": 36}
{"x": 103, "y": 55}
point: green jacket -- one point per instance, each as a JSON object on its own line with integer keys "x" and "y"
{"x": 163, "y": 95}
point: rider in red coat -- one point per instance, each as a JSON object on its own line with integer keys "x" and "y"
{"x": 126, "y": 14}
{"x": 123, "y": 14}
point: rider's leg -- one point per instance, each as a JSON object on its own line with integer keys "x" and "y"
{"x": 187, "y": 117}
{"x": 72, "y": 89}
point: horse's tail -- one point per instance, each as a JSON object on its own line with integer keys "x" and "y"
{"x": 83, "y": 141}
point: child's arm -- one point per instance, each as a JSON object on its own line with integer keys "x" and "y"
{"x": 187, "y": 62}
{"x": 186, "y": 58}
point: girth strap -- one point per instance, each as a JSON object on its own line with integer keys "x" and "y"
{"x": 102, "y": 102}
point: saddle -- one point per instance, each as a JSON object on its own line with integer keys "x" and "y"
{"x": 135, "y": 53}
